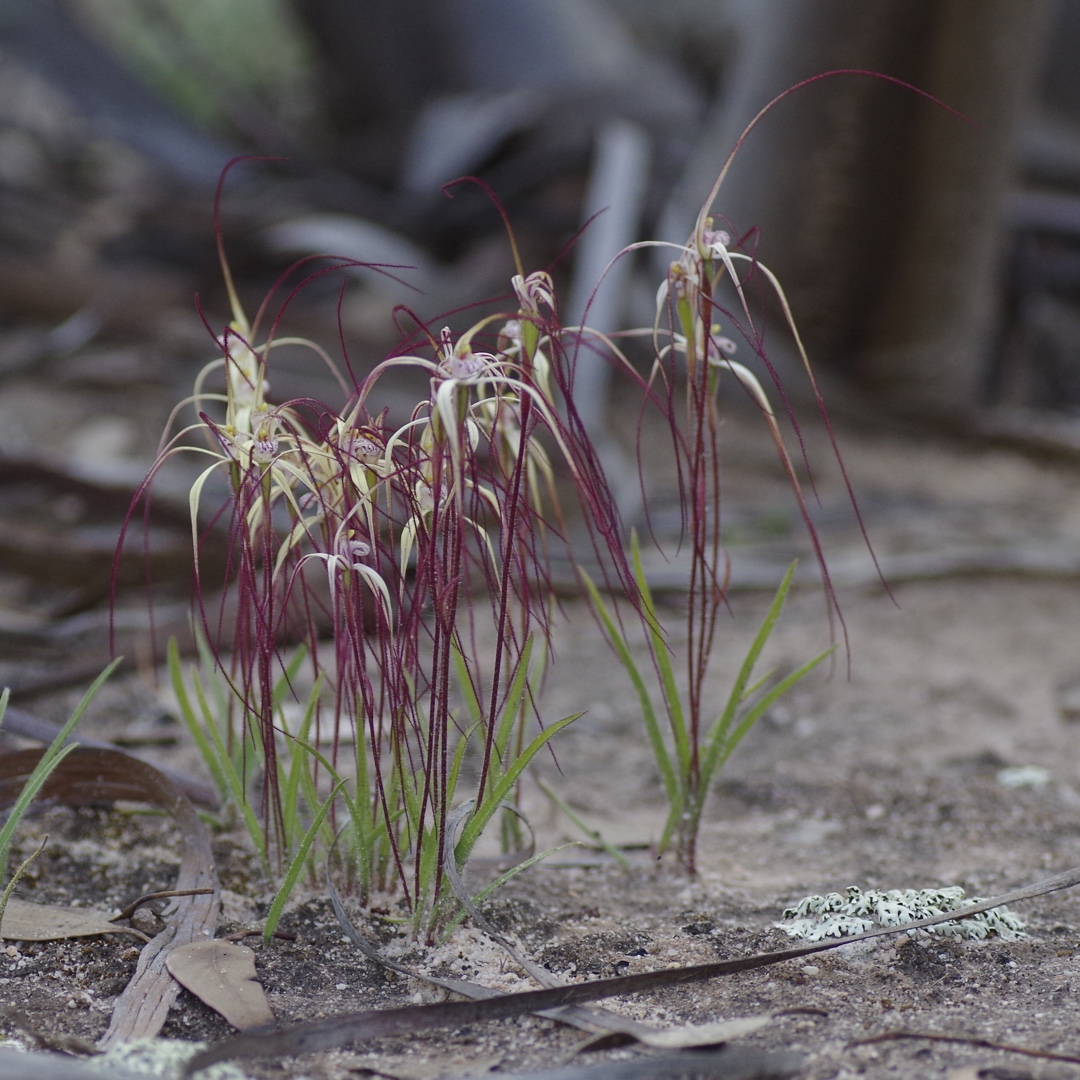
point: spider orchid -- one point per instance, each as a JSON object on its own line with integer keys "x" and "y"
{"x": 384, "y": 546}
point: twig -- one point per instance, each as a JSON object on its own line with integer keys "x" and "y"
{"x": 986, "y": 1044}
{"x": 163, "y": 895}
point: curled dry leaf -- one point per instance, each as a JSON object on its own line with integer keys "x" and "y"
{"x": 714, "y": 1034}
{"x": 221, "y": 974}
{"x": 24, "y": 921}
{"x": 91, "y": 775}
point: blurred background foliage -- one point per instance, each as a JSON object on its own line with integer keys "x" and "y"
{"x": 209, "y": 57}
{"x": 932, "y": 260}
{"x": 929, "y": 258}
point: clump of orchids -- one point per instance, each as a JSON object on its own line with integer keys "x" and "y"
{"x": 408, "y": 558}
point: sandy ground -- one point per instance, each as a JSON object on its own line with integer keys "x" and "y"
{"x": 889, "y": 775}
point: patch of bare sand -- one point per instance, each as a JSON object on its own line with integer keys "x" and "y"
{"x": 889, "y": 779}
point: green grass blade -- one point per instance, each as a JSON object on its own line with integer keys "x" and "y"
{"x": 725, "y": 734}
{"x": 661, "y": 655}
{"x": 720, "y": 750}
{"x": 232, "y": 783}
{"x": 296, "y": 866}
{"x": 648, "y": 714}
{"x": 53, "y": 755}
{"x": 465, "y": 683}
{"x": 511, "y": 706}
{"x": 33, "y": 785}
{"x": 298, "y": 764}
{"x": 457, "y": 761}
{"x": 76, "y": 716}
{"x": 593, "y": 834}
{"x": 286, "y": 680}
{"x": 301, "y": 776}
{"x": 191, "y": 722}
{"x": 365, "y": 842}
{"x": 495, "y": 796}
{"x": 364, "y": 832}
{"x": 738, "y": 690}
{"x": 499, "y": 882}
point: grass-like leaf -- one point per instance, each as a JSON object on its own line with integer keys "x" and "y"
{"x": 618, "y": 642}
{"x": 593, "y": 834}
{"x": 54, "y": 754}
{"x": 296, "y": 866}
{"x": 738, "y": 692}
{"x": 203, "y": 726}
{"x": 498, "y": 792}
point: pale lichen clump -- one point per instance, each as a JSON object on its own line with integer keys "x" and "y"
{"x": 815, "y": 918}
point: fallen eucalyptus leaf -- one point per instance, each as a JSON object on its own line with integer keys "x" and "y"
{"x": 24, "y": 921}
{"x": 599, "y": 1022}
{"x": 588, "y": 1018}
{"x": 714, "y": 1034}
{"x": 221, "y": 974}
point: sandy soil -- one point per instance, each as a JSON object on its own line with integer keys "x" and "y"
{"x": 890, "y": 776}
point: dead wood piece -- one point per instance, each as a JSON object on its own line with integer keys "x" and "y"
{"x": 127, "y": 300}
{"x": 92, "y": 775}
{"x": 55, "y": 1067}
{"x": 861, "y": 571}
{"x": 1037, "y": 432}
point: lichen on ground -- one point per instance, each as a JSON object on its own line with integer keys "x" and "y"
{"x": 833, "y": 915}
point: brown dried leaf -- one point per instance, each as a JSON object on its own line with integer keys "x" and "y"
{"x": 24, "y": 921}
{"x": 89, "y": 775}
{"x": 221, "y": 974}
{"x": 714, "y": 1034}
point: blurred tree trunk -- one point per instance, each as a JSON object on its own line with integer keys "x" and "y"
{"x": 879, "y": 211}
{"x": 379, "y": 61}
